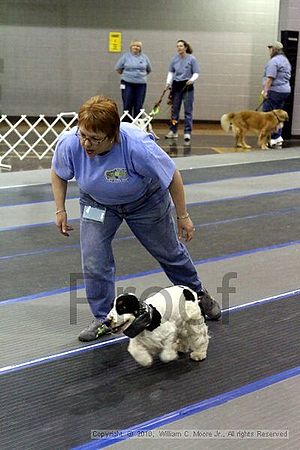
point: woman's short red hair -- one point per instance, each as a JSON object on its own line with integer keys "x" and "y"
{"x": 100, "y": 114}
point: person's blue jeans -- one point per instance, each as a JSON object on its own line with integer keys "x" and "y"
{"x": 151, "y": 221}
{"x": 275, "y": 100}
{"x": 187, "y": 98}
{"x": 133, "y": 97}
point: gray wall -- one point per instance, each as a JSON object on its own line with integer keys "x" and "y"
{"x": 54, "y": 53}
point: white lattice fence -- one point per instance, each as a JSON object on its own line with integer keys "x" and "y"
{"x": 142, "y": 120}
{"x": 37, "y": 138}
{"x": 24, "y": 137}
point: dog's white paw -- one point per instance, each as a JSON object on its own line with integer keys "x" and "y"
{"x": 167, "y": 356}
{"x": 141, "y": 356}
{"x": 146, "y": 361}
{"x": 198, "y": 356}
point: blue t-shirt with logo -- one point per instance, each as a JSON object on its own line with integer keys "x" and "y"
{"x": 120, "y": 176}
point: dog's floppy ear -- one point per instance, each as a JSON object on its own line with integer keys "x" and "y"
{"x": 156, "y": 319}
{"x": 127, "y": 304}
{"x": 282, "y": 114}
{"x": 188, "y": 295}
{"x": 147, "y": 319}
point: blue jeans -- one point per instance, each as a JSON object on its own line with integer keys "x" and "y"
{"x": 151, "y": 221}
{"x": 133, "y": 97}
{"x": 275, "y": 100}
{"x": 187, "y": 97}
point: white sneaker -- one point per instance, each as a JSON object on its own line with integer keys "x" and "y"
{"x": 187, "y": 137}
{"x": 171, "y": 135}
{"x": 278, "y": 141}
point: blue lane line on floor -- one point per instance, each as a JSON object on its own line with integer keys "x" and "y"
{"x": 116, "y": 340}
{"x": 149, "y": 272}
{"x": 281, "y": 212}
{"x": 55, "y": 357}
{"x": 33, "y": 225}
{"x": 190, "y": 410}
{"x": 36, "y": 202}
{"x": 185, "y": 184}
{"x": 42, "y": 251}
{"x": 248, "y": 196}
{"x": 267, "y": 174}
{"x": 50, "y": 198}
{"x": 244, "y": 197}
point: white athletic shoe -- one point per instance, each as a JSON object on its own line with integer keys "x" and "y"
{"x": 276, "y": 142}
{"x": 187, "y": 137}
{"x": 171, "y": 135}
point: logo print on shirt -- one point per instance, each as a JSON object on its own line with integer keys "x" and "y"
{"x": 116, "y": 175}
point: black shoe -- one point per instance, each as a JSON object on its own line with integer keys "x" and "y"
{"x": 209, "y": 306}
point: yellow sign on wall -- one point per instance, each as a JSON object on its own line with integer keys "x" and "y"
{"x": 115, "y": 41}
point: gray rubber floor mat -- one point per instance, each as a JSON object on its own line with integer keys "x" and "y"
{"x": 56, "y": 405}
{"x": 42, "y": 260}
{"x": 30, "y": 194}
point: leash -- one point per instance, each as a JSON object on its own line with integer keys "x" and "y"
{"x": 260, "y": 105}
{"x": 156, "y": 108}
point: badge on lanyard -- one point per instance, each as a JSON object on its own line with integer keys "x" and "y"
{"x": 96, "y": 214}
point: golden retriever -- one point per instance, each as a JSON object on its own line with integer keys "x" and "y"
{"x": 263, "y": 123}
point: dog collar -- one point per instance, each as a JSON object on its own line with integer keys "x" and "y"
{"x": 276, "y": 116}
{"x": 143, "y": 319}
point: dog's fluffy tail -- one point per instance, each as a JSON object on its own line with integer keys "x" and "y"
{"x": 226, "y": 121}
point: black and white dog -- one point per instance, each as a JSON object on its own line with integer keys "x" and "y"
{"x": 164, "y": 324}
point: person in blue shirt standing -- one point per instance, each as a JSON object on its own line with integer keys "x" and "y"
{"x": 276, "y": 84}
{"x": 122, "y": 175}
{"x": 133, "y": 66}
{"x": 183, "y": 72}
